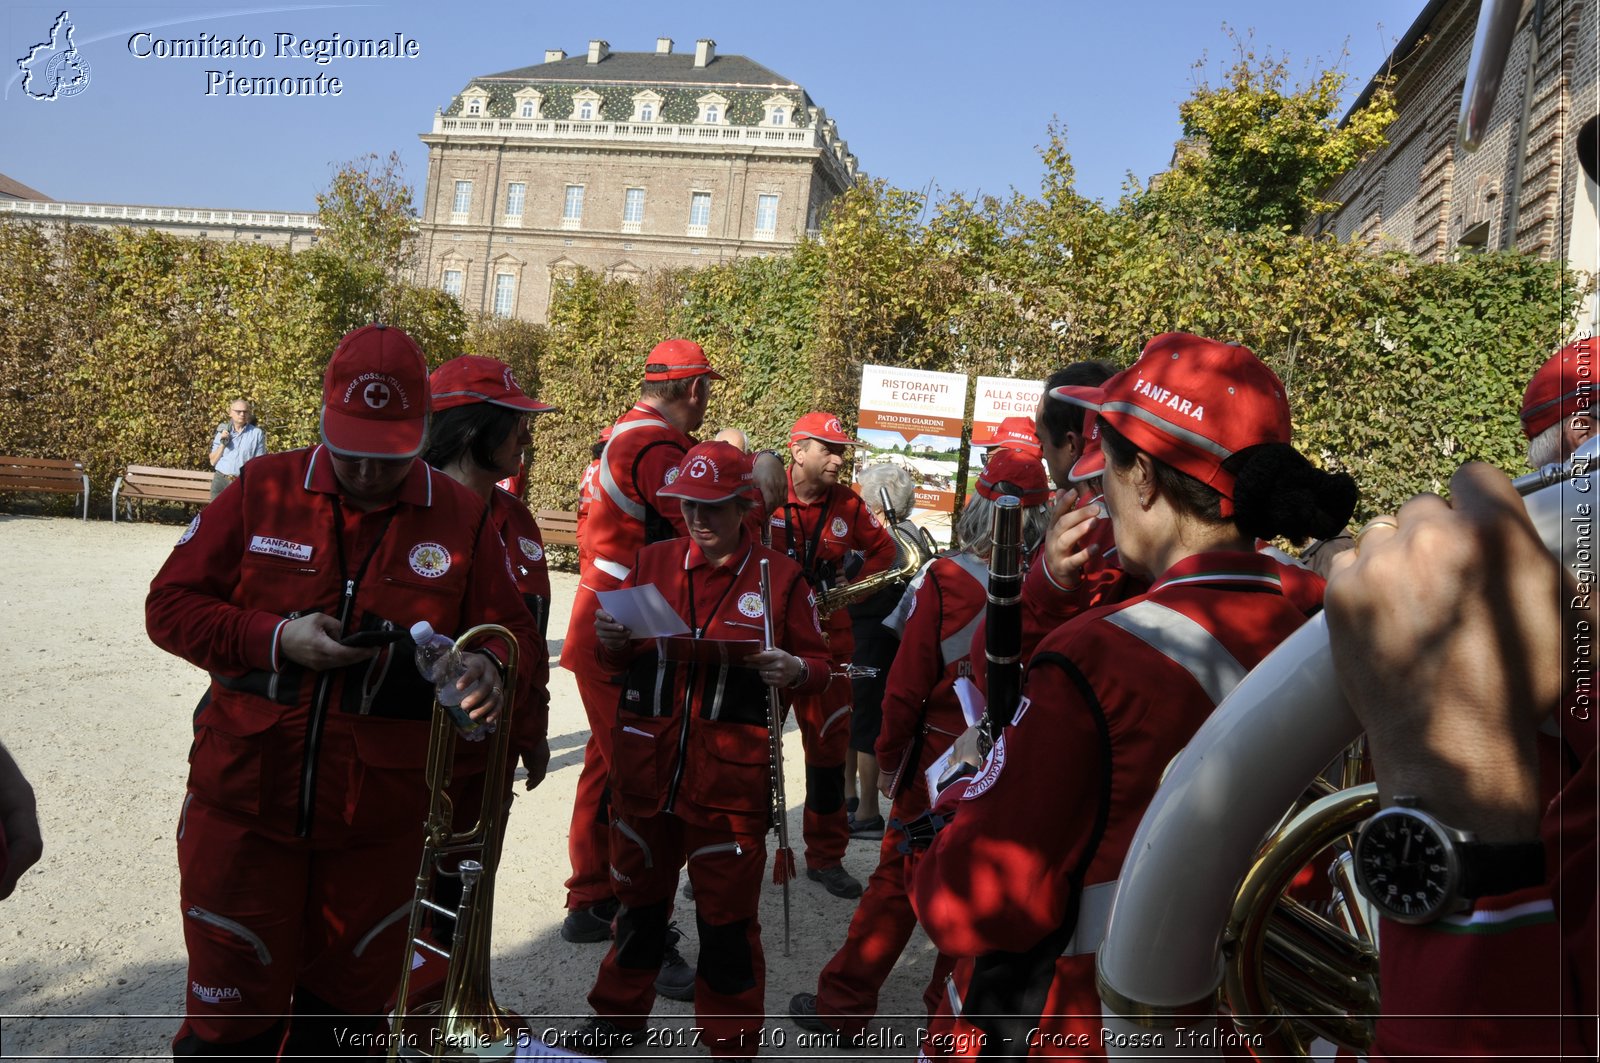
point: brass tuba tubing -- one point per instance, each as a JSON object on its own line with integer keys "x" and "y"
{"x": 465, "y": 1022}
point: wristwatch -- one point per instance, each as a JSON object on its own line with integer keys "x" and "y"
{"x": 1415, "y": 869}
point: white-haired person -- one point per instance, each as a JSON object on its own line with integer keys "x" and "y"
{"x": 875, "y": 649}
{"x": 921, "y": 718}
{"x": 1198, "y": 467}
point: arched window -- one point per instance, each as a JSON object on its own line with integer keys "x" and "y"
{"x": 777, "y": 116}
{"x": 475, "y": 107}
{"x": 647, "y": 112}
{"x": 586, "y": 110}
{"x": 527, "y": 108}
{"x": 712, "y": 114}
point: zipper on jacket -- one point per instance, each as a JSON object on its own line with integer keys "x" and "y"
{"x": 721, "y": 847}
{"x": 319, "y": 714}
{"x": 683, "y": 736}
{"x": 634, "y": 837}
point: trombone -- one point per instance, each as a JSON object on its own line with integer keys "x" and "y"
{"x": 465, "y": 1022}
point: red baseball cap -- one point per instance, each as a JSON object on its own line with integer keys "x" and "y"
{"x": 1091, "y": 462}
{"x": 712, "y": 472}
{"x": 1016, "y": 433}
{"x": 1564, "y": 385}
{"x": 375, "y": 395}
{"x": 1193, "y": 403}
{"x": 677, "y": 359}
{"x": 472, "y": 379}
{"x": 823, "y": 426}
{"x": 1010, "y": 472}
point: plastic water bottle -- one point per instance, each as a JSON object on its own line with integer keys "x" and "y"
{"x": 442, "y": 668}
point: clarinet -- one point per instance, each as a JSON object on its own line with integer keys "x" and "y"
{"x": 1003, "y": 641}
{"x": 783, "y": 865}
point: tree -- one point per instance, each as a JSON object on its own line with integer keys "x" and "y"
{"x": 1256, "y": 152}
{"x": 367, "y": 218}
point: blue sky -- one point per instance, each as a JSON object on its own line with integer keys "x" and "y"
{"x": 955, "y": 96}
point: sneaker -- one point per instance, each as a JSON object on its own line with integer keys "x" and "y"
{"x": 584, "y": 926}
{"x": 803, "y": 1010}
{"x": 869, "y": 829}
{"x": 676, "y": 980}
{"x": 598, "y": 1037}
{"x": 836, "y": 880}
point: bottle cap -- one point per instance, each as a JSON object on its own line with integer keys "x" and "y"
{"x": 421, "y": 632}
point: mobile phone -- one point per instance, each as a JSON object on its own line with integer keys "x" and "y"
{"x": 374, "y": 637}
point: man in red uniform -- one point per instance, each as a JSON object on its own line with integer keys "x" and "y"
{"x": 1558, "y": 405}
{"x": 586, "y": 488}
{"x": 921, "y": 716}
{"x": 820, "y": 523}
{"x": 626, "y": 513}
{"x": 299, "y": 836}
{"x": 690, "y": 770}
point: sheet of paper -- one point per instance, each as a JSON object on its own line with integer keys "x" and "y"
{"x": 643, "y": 611}
{"x": 972, "y": 700}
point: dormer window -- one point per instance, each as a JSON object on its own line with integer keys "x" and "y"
{"x": 474, "y": 102}
{"x": 712, "y": 109}
{"x": 646, "y": 106}
{"x": 776, "y": 110}
{"x": 586, "y": 106}
{"x": 529, "y": 101}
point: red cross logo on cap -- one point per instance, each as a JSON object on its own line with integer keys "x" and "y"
{"x": 698, "y": 468}
{"x": 835, "y": 426}
{"x": 376, "y": 395}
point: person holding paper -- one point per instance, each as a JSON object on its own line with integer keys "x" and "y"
{"x": 921, "y": 717}
{"x": 689, "y": 757}
{"x": 1017, "y": 885}
{"x": 625, "y": 512}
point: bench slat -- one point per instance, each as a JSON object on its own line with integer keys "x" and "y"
{"x": 558, "y": 526}
{"x": 170, "y": 485}
{"x": 58, "y": 475}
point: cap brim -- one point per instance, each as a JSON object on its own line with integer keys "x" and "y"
{"x": 843, "y": 441}
{"x": 1030, "y": 450}
{"x": 668, "y": 492}
{"x": 1091, "y": 464}
{"x": 523, "y": 404}
{"x": 1089, "y": 398}
{"x": 684, "y": 372}
{"x": 357, "y": 437}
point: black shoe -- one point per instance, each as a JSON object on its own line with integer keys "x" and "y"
{"x": 584, "y": 926}
{"x": 676, "y": 980}
{"x": 850, "y": 806}
{"x": 803, "y": 1010}
{"x": 599, "y": 1037}
{"x": 836, "y": 880}
{"x": 867, "y": 829}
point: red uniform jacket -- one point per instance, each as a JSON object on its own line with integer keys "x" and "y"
{"x": 585, "y": 500}
{"x": 293, "y": 747}
{"x": 691, "y": 738}
{"x": 625, "y": 514}
{"x": 1108, "y": 700}
{"x": 950, "y": 596}
{"x": 817, "y": 535}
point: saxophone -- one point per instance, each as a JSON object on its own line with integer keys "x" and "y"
{"x": 911, "y": 553}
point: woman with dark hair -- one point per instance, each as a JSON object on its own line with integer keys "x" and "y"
{"x": 477, "y": 437}
{"x": 1018, "y": 883}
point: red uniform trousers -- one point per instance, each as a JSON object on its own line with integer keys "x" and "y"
{"x": 589, "y": 838}
{"x": 726, "y": 870}
{"x": 824, "y": 721}
{"x": 847, "y": 988}
{"x": 268, "y": 916}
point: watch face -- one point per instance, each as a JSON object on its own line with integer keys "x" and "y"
{"x": 1406, "y": 867}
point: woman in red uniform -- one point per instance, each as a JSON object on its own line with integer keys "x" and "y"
{"x": 478, "y": 437}
{"x": 921, "y": 717}
{"x": 1018, "y": 884}
{"x": 689, "y": 772}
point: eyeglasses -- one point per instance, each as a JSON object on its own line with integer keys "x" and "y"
{"x": 238, "y": 411}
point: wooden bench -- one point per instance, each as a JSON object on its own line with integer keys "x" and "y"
{"x": 558, "y": 526}
{"x": 45, "y": 474}
{"x": 169, "y": 485}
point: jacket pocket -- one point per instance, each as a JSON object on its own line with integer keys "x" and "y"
{"x": 728, "y": 767}
{"x": 642, "y": 751}
{"x": 388, "y": 790}
{"x": 234, "y": 755}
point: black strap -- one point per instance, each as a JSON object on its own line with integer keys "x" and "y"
{"x": 807, "y": 557}
{"x": 694, "y": 623}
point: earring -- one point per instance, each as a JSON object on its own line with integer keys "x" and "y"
{"x": 1144, "y": 501}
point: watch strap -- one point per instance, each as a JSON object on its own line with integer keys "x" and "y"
{"x": 1489, "y": 869}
